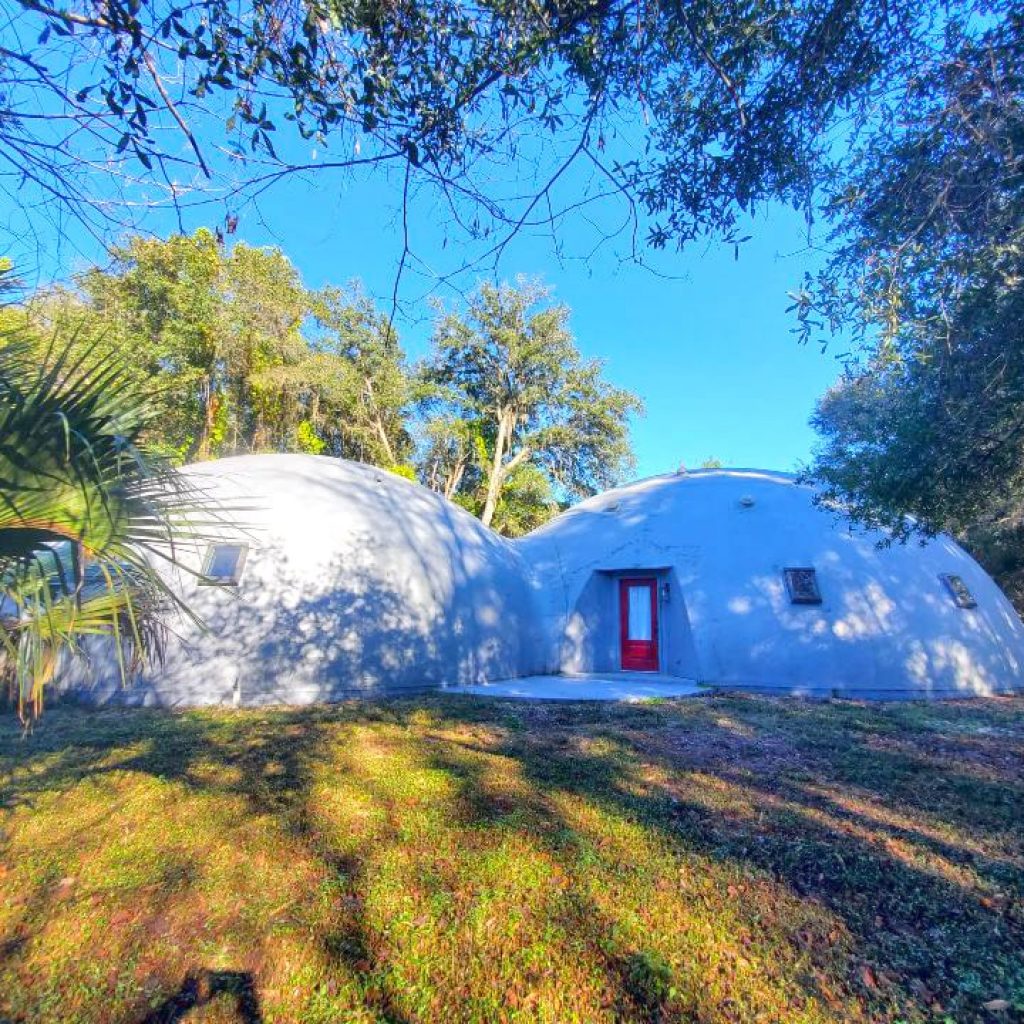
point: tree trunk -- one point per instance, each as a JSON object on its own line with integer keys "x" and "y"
{"x": 382, "y": 434}
{"x": 451, "y": 485}
{"x": 378, "y": 423}
{"x": 506, "y": 471}
{"x": 496, "y": 477}
{"x": 201, "y": 448}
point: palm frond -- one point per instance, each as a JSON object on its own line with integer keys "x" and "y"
{"x": 87, "y": 517}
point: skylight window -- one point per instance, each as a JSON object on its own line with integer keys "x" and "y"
{"x": 224, "y": 564}
{"x": 802, "y": 586}
{"x": 958, "y": 590}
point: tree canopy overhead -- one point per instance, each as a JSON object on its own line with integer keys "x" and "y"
{"x": 688, "y": 114}
{"x": 928, "y": 281}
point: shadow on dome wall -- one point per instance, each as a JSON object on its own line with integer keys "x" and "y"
{"x": 412, "y": 605}
{"x": 364, "y": 583}
{"x": 300, "y": 652}
{"x": 862, "y": 643}
{"x": 711, "y": 861}
{"x": 886, "y": 627}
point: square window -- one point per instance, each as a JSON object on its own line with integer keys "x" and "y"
{"x": 958, "y": 591}
{"x": 802, "y": 586}
{"x": 223, "y": 565}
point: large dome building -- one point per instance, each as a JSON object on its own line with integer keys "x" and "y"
{"x": 349, "y": 580}
{"x": 344, "y": 580}
{"x": 738, "y": 579}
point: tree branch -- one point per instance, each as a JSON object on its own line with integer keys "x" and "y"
{"x": 173, "y": 110}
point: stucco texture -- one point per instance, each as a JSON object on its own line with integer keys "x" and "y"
{"x": 359, "y": 582}
{"x": 719, "y": 541}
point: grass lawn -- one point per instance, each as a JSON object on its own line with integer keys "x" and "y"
{"x": 449, "y": 860}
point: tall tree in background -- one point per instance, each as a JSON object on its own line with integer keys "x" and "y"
{"x": 928, "y": 279}
{"x": 514, "y": 405}
{"x": 452, "y": 447}
{"x": 239, "y": 354}
{"x": 372, "y": 405}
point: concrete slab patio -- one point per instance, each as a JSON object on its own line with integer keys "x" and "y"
{"x": 622, "y": 686}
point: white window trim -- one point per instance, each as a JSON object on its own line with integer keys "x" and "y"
{"x": 206, "y": 580}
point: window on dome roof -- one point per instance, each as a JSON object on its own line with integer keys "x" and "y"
{"x": 802, "y": 585}
{"x": 958, "y": 590}
{"x": 224, "y": 564}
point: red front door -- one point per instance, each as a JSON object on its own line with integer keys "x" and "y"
{"x": 638, "y": 624}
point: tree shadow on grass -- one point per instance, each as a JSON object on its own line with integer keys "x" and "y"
{"x": 753, "y": 785}
{"x": 200, "y": 989}
{"x": 933, "y": 922}
{"x": 264, "y": 758}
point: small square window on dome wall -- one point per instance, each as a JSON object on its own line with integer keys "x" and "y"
{"x": 802, "y": 586}
{"x": 223, "y": 565}
{"x": 959, "y": 591}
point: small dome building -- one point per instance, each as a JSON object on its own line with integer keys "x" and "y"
{"x": 344, "y": 580}
{"x": 738, "y": 579}
{"x": 349, "y": 580}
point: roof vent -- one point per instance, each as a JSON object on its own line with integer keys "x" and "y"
{"x": 681, "y": 469}
{"x": 746, "y": 501}
{"x": 958, "y": 590}
{"x": 612, "y": 508}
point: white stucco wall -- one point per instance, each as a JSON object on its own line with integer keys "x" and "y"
{"x": 886, "y": 626}
{"x": 360, "y": 582}
{"x": 356, "y": 581}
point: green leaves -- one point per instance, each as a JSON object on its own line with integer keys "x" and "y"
{"x": 86, "y": 516}
{"x": 512, "y": 404}
{"x": 928, "y": 283}
{"x": 741, "y": 103}
{"x": 237, "y": 354}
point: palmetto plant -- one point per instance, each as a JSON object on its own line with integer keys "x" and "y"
{"x": 87, "y": 518}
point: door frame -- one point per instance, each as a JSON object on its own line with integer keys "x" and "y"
{"x": 653, "y": 583}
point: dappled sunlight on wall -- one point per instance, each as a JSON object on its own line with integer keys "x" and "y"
{"x": 886, "y": 624}
{"x": 356, "y": 582}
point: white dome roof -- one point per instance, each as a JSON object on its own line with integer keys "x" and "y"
{"x": 720, "y": 540}
{"x": 354, "y": 579}
{"x": 357, "y": 581}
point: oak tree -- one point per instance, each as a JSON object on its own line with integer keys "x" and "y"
{"x": 511, "y": 391}
{"x": 237, "y": 354}
{"x": 688, "y": 115}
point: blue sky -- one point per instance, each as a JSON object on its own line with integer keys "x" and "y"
{"x": 704, "y": 338}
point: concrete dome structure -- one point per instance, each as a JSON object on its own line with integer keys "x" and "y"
{"x": 351, "y": 581}
{"x": 739, "y": 580}
{"x": 348, "y": 580}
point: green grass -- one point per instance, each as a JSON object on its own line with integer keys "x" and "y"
{"x": 449, "y": 860}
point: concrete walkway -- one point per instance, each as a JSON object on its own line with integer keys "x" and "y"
{"x": 625, "y": 686}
